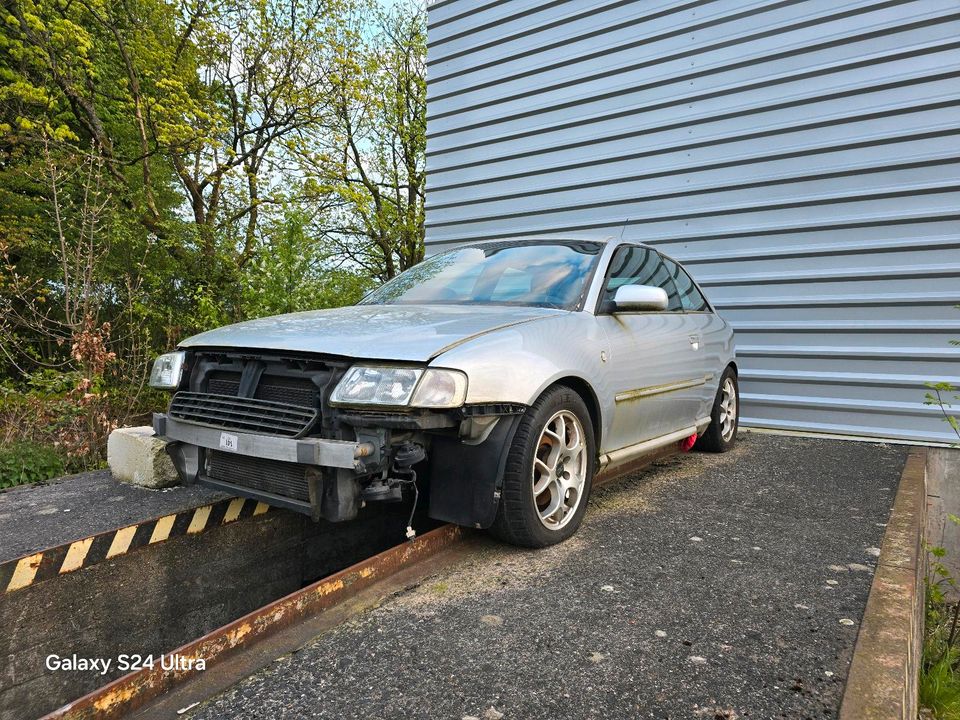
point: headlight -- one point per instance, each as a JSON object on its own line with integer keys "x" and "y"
{"x": 167, "y": 371}
{"x": 440, "y": 389}
{"x": 400, "y": 387}
{"x": 365, "y": 385}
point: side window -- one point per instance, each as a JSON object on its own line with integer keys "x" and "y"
{"x": 633, "y": 265}
{"x": 690, "y": 297}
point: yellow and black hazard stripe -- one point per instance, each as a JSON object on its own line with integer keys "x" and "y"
{"x": 36, "y": 567}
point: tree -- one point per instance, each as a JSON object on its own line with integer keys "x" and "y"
{"x": 56, "y": 330}
{"x": 264, "y": 68}
{"x": 294, "y": 274}
{"x": 209, "y": 90}
{"x": 95, "y": 77}
{"x": 371, "y": 157}
{"x": 168, "y": 165}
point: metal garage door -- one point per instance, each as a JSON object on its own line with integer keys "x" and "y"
{"x": 801, "y": 158}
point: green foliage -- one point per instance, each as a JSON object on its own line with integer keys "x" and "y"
{"x": 370, "y": 160}
{"x": 168, "y": 166}
{"x": 940, "y": 396}
{"x": 26, "y": 462}
{"x": 939, "y": 683}
{"x": 294, "y": 274}
{"x": 939, "y": 687}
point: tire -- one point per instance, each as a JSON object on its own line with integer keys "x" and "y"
{"x": 721, "y": 434}
{"x": 536, "y": 458}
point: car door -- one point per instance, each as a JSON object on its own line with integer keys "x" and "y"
{"x": 653, "y": 358}
{"x": 710, "y": 331}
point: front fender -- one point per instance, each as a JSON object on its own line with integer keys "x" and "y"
{"x": 517, "y": 364}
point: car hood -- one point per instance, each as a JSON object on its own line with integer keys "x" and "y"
{"x": 415, "y": 333}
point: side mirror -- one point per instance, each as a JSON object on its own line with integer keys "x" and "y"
{"x": 639, "y": 297}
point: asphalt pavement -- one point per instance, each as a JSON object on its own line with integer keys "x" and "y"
{"x": 709, "y": 586}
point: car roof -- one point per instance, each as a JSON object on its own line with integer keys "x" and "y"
{"x": 530, "y": 239}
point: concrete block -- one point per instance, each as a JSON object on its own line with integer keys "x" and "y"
{"x": 137, "y": 456}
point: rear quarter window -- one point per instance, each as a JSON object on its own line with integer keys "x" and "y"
{"x": 691, "y": 299}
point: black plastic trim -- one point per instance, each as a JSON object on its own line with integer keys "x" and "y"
{"x": 426, "y": 420}
{"x": 465, "y": 480}
{"x": 497, "y": 408}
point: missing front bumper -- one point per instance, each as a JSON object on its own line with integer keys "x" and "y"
{"x": 305, "y": 451}
{"x": 314, "y": 476}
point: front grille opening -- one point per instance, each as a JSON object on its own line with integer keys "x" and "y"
{"x": 275, "y": 388}
{"x": 222, "y": 383}
{"x": 272, "y": 476}
{"x": 295, "y": 391}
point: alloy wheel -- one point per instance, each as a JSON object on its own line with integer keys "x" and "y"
{"x": 728, "y": 410}
{"x": 559, "y": 470}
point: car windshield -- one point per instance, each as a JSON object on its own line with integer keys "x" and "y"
{"x": 541, "y": 274}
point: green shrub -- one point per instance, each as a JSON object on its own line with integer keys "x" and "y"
{"x": 939, "y": 686}
{"x": 26, "y": 462}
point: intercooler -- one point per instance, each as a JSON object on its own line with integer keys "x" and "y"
{"x": 289, "y": 390}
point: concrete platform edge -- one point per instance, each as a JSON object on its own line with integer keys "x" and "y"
{"x": 882, "y": 683}
{"x": 50, "y": 563}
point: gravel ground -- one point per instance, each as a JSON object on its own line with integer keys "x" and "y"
{"x": 35, "y": 517}
{"x": 706, "y": 587}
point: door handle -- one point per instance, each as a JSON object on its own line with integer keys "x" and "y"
{"x": 695, "y": 342}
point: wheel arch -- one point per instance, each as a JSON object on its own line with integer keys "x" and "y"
{"x": 589, "y": 397}
{"x": 473, "y": 499}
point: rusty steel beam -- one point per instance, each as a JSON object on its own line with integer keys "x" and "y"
{"x": 134, "y": 690}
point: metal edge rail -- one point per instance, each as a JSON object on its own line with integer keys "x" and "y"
{"x": 68, "y": 557}
{"x": 134, "y": 690}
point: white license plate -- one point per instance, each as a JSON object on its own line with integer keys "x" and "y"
{"x": 228, "y": 442}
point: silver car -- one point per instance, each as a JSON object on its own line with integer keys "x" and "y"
{"x": 494, "y": 380}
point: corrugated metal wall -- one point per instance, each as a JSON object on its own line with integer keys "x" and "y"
{"x": 801, "y": 158}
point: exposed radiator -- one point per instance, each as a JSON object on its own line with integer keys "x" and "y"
{"x": 272, "y": 476}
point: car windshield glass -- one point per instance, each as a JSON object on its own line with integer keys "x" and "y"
{"x": 543, "y": 274}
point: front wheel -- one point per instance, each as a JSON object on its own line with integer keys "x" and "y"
{"x": 721, "y": 434}
{"x": 549, "y": 472}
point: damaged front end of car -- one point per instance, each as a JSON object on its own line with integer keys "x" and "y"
{"x": 325, "y": 435}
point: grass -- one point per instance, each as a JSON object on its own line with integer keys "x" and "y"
{"x": 939, "y": 687}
